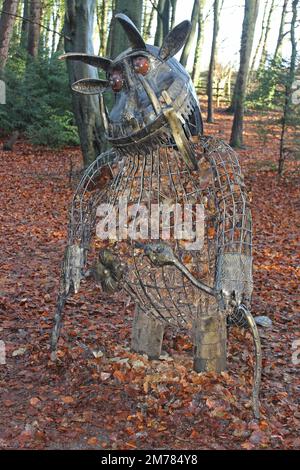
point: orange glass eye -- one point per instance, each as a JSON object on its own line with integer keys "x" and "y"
{"x": 141, "y": 65}
{"x": 116, "y": 80}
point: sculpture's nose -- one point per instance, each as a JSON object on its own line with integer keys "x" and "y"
{"x": 127, "y": 116}
{"x": 130, "y": 119}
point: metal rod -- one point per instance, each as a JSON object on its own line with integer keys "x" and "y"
{"x": 151, "y": 94}
{"x": 258, "y": 361}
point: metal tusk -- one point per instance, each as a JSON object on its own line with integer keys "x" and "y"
{"x": 151, "y": 94}
{"x": 103, "y": 112}
{"x": 176, "y": 125}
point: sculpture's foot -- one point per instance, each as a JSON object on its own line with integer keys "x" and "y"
{"x": 209, "y": 337}
{"x": 147, "y": 335}
{"x": 238, "y": 318}
{"x": 263, "y": 321}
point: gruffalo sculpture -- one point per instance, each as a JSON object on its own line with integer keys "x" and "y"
{"x": 163, "y": 171}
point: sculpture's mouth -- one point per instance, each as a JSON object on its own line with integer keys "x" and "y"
{"x": 121, "y": 135}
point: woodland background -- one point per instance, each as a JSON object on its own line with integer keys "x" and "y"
{"x": 100, "y": 395}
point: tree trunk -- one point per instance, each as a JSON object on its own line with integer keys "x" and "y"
{"x": 159, "y": 34}
{"x": 148, "y": 24}
{"x": 60, "y": 43}
{"x": 17, "y": 29}
{"x": 6, "y": 28}
{"x": 145, "y": 18}
{"x": 289, "y": 86}
{"x": 166, "y": 18}
{"x": 280, "y": 33}
{"x": 263, "y": 27}
{"x": 102, "y": 22}
{"x": 9, "y": 144}
{"x": 45, "y": 33}
{"x": 25, "y": 25}
{"x": 55, "y": 22}
{"x": 210, "y": 78}
{"x": 118, "y": 41}
{"x": 79, "y": 23}
{"x": 263, "y": 57}
{"x": 174, "y": 6}
{"x": 199, "y": 45}
{"x": 188, "y": 45}
{"x": 34, "y": 28}
{"x": 250, "y": 17}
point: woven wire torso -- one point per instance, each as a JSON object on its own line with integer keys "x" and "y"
{"x": 160, "y": 176}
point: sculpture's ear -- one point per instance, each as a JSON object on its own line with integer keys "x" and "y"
{"x": 94, "y": 60}
{"x": 90, "y": 86}
{"x": 131, "y": 31}
{"x": 175, "y": 40}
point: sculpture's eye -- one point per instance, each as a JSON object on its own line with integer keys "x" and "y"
{"x": 141, "y": 65}
{"x": 116, "y": 80}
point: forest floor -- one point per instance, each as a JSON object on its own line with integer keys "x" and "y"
{"x": 122, "y": 400}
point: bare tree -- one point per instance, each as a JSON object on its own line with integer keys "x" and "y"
{"x": 174, "y": 5}
{"x": 210, "y": 78}
{"x": 6, "y": 27}
{"x": 281, "y": 31}
{"x": 34, "y": 29}
{"x": 199, "y": 44}
{"x": 159, "y": 34}
{"x": 60, "y": 43}
{"x": 55, "y": 17}
{"x": 166, "y": 18}
{"x": 188, "y": 45}
{"x": 79, "y": 25}
{"x": 148, "y": 20}
{"x": 103, "y": 8}
{"x": 117, "y": 40}
{"x": 44, "y": 40}
{"x": 266, "y": 36}
{"x": 289, "y": 85}
{"x": 25, "y": 24}
{"x": 145, "y": 17}
{"x": 260, "y": 41}
{"x": 250, "y": 17}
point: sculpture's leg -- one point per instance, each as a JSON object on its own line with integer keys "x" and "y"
{"x": 147, "y": 334}
{"x": 209, "y": 337}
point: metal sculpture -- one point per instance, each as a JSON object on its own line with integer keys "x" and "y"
{"x": 160, "y": 157}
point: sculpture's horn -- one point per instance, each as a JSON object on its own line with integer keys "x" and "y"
{"x": 131, "y": 31}
{"x": 94, "y": 60}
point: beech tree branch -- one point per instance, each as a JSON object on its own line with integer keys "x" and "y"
{"x": 34, "y": 22}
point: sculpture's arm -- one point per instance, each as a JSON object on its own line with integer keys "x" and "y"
{"x": 234, "y": 226}
{"x": 82, "y": 217}
{"x": 81, "y": 222}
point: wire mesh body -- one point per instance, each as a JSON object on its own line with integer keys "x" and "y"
{"x": 160, "y": 177}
